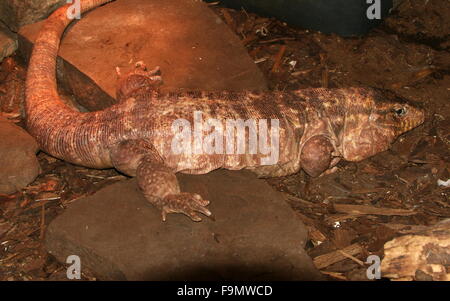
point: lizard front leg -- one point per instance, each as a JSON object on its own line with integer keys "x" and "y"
{"x": 157, "y": 181}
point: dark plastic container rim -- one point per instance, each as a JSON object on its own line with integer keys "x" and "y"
{"x": 343, "y": 17}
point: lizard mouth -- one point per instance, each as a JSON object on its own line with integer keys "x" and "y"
{"x": 411, "y": 123}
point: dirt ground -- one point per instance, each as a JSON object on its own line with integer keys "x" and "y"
{"x": 355, "y": 210}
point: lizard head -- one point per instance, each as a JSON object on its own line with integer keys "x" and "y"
{"x": 374, "y": 121}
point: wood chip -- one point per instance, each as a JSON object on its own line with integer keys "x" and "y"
{"x": 276, "y": 40}
{"x": 325, "y": 75}
{"x": 332, "y": 219}
{"x": 301, "y": 72}
{"x": 328, "y": 259}
{"x": 249, "y": 39}
{"x": 420, "y": 255}
{"x": 342, "y": 237}
{"x": 301, "y": 201}
{"x": 351, "y": 257}
{"x": 366, "y": 209}
{"x": 308, "y": 221}
{"x": 334, "y": 275}
{"x": 278, "y": 59}
{"x": 228, "y": 19}
{"x": 415, "y": 78}
{"x": 405, "y": 229}
{"x": 315, "y": 235}
{"x": 42, "y": 226}
{"x": 368, "y": 190}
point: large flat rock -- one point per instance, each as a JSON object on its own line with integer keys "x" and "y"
{"x": 193, "y": 47}
{"x": 118, "y": 235}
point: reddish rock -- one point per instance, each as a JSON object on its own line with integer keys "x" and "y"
{"x": 191, "y": 44}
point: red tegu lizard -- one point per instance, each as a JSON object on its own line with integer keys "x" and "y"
{"x": 152, "y": 135}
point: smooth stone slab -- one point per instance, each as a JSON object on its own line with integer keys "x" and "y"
{"x": 193, "y": 47}
{"x": 118, "y": 235}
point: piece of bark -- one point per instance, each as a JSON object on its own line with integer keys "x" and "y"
{"x": 278, "y": 59}
{"x": 336, "y": 275}
{"x": 228, "y": 19}
{"x": 337, "y": 218}
{"x": 420, "y": 256}
{"x": 365, "y": 209}
{"x": 315, "y": 235}
{"x": 405, "y": 229}
{"x": 342, "y": 238}
{"x": 328, "y": 259}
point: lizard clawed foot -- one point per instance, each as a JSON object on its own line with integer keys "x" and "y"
{"x": 186, "y": 203}
{"x": 154, "y": 74}
{"x": 141, "y": 66}
{"x": 137, "y": 79}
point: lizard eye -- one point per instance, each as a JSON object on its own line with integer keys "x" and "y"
{"x": 400, "y": 112}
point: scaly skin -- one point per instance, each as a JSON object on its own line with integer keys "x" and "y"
{"x": 317, "y": 127}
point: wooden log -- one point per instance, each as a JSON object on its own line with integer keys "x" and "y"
{"x": 424, "y": 255}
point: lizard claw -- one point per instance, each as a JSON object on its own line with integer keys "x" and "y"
{"x": 155, "y": 71}
{"x": 154, "y": 75}
{"x": 186, "y": 203}
{"x": 140, "y": 65}
{"x": 141, "y": 68}
{"x": 139, "y": 77}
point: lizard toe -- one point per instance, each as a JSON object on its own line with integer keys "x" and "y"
{"x": 155, "y": 71}
{"x": 185, "y": 203}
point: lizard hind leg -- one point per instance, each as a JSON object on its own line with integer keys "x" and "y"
{"x": 157, "y": 181}
{"x": 138, "y": 80}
